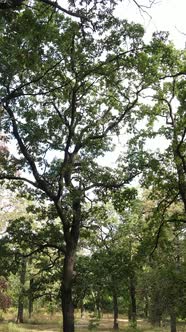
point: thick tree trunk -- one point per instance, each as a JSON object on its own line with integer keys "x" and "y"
{"x": 172, "y": 321}
{"x": 21, "y": 294}
{"x": 67, "y": 302}
{"x": 115, "y": 308}
{"x": 30, "y": 308}
{"x": 133, "y": 298}
{"x": 71, "y": 235}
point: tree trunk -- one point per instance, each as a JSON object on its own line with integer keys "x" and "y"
{"x": 156, "y": 312}
{"x": 71, "y": 235}
{"x": 173, "y": 321}
{"x": 115, "y": 308}
{"x": 21, "y": 294}
{"x": 67, "y": 303}
{"x": 98, "y": 306}
{"x": 133, "y": 299}
{"x": 20, "y": 311}
{"x": 146, "y": 307}
{"x": 30, "y": 299}
{"x": 30, "y": 308}
{"x": 129, "y": 312}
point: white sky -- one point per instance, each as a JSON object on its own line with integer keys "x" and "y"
{"x": 166, "y": 15}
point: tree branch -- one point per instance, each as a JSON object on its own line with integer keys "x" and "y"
{"x": 112, "y": 185}
{"x": 64, "y": 10}
{"x": 17, "y": 92}
{"x": 41, "y": 248}
{"x": 17, "y": 178}
{"x": 162, "y": 220}
{"x": 41, "y": 183}
{"x": 173, "y": 75}
{"x": 13, "y": 4}
{"x": 114, "y": 124}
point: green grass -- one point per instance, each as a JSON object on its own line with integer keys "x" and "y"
{"x": 12, "y": 327}
{"x": 46, "y": 323}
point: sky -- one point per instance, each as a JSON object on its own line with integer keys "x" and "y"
{"x": 164, "y": 15}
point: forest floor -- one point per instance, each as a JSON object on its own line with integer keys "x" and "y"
{"x": 53, "y": 323}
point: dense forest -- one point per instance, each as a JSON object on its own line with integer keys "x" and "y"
{"x": 75, "y": 234}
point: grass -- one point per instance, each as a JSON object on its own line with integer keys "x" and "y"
{"x": 46, "y": 323}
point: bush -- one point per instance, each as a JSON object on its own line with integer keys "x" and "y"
{"x": 132, "y": 329}
{"x": 5, "y": 300}
{"x": 15, "y": 328}
{"x": 93, "y": 323}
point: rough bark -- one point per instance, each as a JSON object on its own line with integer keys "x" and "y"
{"x": 67, "y": 302}
{"x": 71, "y": 237}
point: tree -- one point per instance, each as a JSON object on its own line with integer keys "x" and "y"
{"x": 175, "y": 128}
{"x": 117, "y": 248}
{"x": 65, "y": 92}
{"x": 166, "y": 282}
{"x": 164, "y": 169}
{"x": 31, "y": 246}
{"x": 5, "y": 300}
{"x": 144, "y": 223}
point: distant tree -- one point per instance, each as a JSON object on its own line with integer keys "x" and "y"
{"x": 28, "y": 255}
{"x": 5, "y": 300}
{"x": 161, "y": 281}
